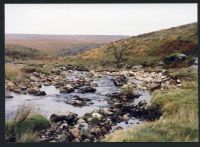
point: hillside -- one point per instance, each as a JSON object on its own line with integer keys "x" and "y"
{"x": 17, "y": 52}
{"x": 60, "y": 44}
{"x": 146, "y": 49}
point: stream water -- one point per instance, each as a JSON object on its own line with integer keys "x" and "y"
{"x": 53, "y": 102}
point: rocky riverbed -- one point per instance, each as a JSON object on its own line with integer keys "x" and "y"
{"x": 86, "y": 105}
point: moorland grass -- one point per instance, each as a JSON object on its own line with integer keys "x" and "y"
{"x": 13, "y": 72}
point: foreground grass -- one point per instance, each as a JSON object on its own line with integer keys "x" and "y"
{"x": 180, "y": 115}
{"x": 24, "y": 126}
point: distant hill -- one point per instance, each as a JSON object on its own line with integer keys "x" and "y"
{"x": 149, "y": 48}
{"x": 16, "y": 52}
{"x": 60, "y": 44}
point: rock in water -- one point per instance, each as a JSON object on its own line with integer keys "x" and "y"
{"x": 66, "y": 89}
{"x": 120, "y": 80}
{"x": 41, "y": 93}
{"x": 70, "y": 117}
{"x": 33, "y": 91}
{"x": 8, "y": 96}
{"x": 86, "y": 89}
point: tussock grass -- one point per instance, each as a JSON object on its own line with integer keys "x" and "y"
{"x": 24, "y": 124}
{"x": 179, "y": 122}
{"x": 28, "y": 136}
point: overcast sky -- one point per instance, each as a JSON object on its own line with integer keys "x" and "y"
{"x": 96, "y": 19}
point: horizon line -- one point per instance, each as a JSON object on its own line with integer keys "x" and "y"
{"x": 99, "y": 34}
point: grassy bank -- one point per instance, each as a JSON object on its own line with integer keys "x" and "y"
{"x": 180, "y": 114}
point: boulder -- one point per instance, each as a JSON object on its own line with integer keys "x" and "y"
{"x": 120, "y": 80}
{"x": 10, "y": 84}
{"x": 70, "y": 117}
{"x": 86, "y": 89}
{"x": 117, "y": 104}
{"x": 154, "y": 86}
{"x": 142, "y": 103}
{"x": 41, "y": 93}
{"x": 181, "y": 56}
{"x": 75, "y": 102}
{"x": 114, "y": 95}
{"x": 47, "y": 84}
{"x": 8, "y": 96}
{"x": 196, "y": 61}
{"x": 173, "y": 58}
{"x": 33, "y": 90}
{"x": 66, "y": 89}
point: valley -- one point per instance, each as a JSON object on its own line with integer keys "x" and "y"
{"x": 102, "y": 88}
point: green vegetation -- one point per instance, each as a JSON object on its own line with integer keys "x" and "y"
{"x": 13, "y": 52}
{"x": 146, "y": 49}
{"x": 127, "y": 89}
{"x": 183, "y": 73}
{"x": 37, "y": 68}
{"x": 23, "y": 126}
{"x": 180, "y": 115}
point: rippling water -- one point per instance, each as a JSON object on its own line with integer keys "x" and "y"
{"x": 53, "y": 102}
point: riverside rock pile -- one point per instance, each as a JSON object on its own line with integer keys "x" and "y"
{"x": 95, "y": 125}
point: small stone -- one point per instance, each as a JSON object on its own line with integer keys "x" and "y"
{"x": 178, "y": 81}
